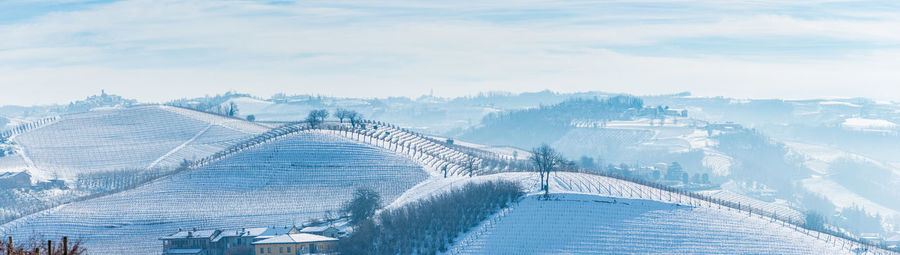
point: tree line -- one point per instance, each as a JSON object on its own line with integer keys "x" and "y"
{"x": 427, "y": 226}
{"x": 317, "y": 117}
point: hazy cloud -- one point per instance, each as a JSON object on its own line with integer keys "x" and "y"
{"x": 157, "y": 50}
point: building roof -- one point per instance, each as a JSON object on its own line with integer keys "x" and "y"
{"x": 191, "y": 234}
{"x": 217, "y": 235}
{"x": 254, "y": 232}
{"x": 230, "y": 233}
{"x": 315, "y": 229}
{"x": 295, "y": 238}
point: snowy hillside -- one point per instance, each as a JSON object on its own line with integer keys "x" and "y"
{"x": 589, "y": 224}
{"x": 284, "y": 182}
{"x": 593, "y": 214}
{"x": 832, "y": 165}
{"x": 132, "y": 138}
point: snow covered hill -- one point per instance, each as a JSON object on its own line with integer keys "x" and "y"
{"x": 288, "y": 181}
{"x": 590, "y": 224}
{"x": 592, "y": 214}
{"x": 140, "y": 137}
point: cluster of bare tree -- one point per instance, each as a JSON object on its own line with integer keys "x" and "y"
{"x": 218, "y": 104}
{"x": 317, "y": 117}
{"x": 547, "y": 160}
{"x": 430, "y": 225}
{"x": 353, "y": 117}
{"x": 470, "y": 164}
{"x": 115, "y": 179}
{"x": 35, "y": 246}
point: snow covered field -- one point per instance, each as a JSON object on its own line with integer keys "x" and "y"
{"x": 285, "y": 182}
{"x": 594, "y": 214}
{"x": 820, "y": 159}
{"x": 300, "y": 176}
{"x": 131, "y": 138}
{"x": 590, "y": 224}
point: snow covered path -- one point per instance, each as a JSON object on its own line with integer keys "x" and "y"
{"x": 176, "y": 149}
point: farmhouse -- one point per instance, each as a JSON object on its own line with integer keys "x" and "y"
{"x": 241, "y": 239}
{"x": 192, "y": 242}
{"x": 287, "y": 240}
{"x": 301, "y": 243}
{"x": 336, "y": 230}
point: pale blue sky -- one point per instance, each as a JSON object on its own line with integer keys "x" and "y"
{"x": 55, "y": 51}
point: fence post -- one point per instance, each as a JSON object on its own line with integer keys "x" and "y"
{"x": 65, "y": 246}
{"x": 49, "y": 247}
{"x": 9, "y": 246}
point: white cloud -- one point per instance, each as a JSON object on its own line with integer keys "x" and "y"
{"x": 157, "y": 50}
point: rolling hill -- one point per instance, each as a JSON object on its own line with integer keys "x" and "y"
{"x": 294, "y": 178}
{"x": 130, "y": 138}
{"x": 288, "y": 178}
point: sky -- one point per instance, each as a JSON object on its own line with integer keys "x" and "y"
{"x": 56, "y": 51}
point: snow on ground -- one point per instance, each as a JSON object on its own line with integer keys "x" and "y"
{"x": 779, "y": 207}
{"x": 680, "y": 138}
{"x": 248, "y": 105}
{"x": 507, "y": 151}
{"x": 590, "y": 224}
{"x": 840, "y": 103}
{"x": 868, "y": 124}
{"x": 719, "y": 163}
{"x": 819, "y": 159}
{"x": 842, "y": 197}
{"x": 598, "y": 215}
{"x": 281, "y": 183}
{"x": 130, "y": 138}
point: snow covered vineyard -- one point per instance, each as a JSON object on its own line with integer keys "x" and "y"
{"x": 589, "y": 224}
{"x": 294, "y": 173}
{"x": 435, "y": 155}
{"x": 591, "y": 214}
{"x": 132, "y": 138}
{"x": 291, "y": 179}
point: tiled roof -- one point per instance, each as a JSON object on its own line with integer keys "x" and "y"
{"x": 295, "y": 238}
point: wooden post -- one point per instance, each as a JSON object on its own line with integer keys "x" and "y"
{"x": 9, "y": 246}
{"x": 49, "y": 247}
{"x": 65, "y": 245}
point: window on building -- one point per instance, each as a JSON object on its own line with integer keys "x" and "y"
{"x": 280, "y": 249}
{"x": 262, "y": 250}
{"x": 269, "y": 249}
{"x": 289, "y": 249}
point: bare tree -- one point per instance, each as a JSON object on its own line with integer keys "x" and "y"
{"x": 355, "y": 118}
{"x": 341, "y": 114}
{"x": 316, "y": 117}
{"x": 471, "y": 164}
{"x": 330, "y": 218}
{"x": 546, "y": 160}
